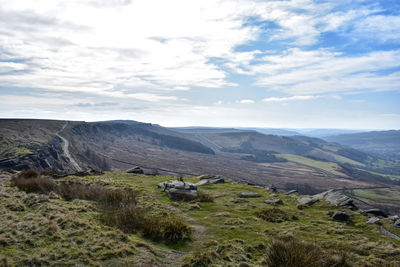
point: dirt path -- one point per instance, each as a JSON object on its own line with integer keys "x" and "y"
{"x": 66, "y": 149}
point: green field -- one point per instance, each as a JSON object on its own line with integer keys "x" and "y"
{"x": 330, "y": 167}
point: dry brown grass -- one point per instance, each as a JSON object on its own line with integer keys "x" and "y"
{"x": 292, "y": 252}
{"x": 28, "y": 174}
{"x": 274, "y": 215}
{"x": 34, "y": 184}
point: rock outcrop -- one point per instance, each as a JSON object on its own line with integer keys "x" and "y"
{"x": 336, "y": 198}
{"x": 179, "y": 190}
{"x": 306, "y": 201}
{"x": 136, "y": 170}
{"x": 340, "y": 216}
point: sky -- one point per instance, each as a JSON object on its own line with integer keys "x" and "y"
{"x": 248, "y": 63}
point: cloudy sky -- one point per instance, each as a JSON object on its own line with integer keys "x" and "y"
{"x": 298, "y": 64}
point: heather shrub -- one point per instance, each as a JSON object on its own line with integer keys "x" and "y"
{"x": 34, "y": 185}
{"x": 28, "y": 174}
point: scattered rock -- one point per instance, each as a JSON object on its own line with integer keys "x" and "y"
{"x": 306, "y": 201}
{"x": 216, "y": 180}
{"x": 340, "y": 216}
{"x": 136, "y": 170}
{"x": 373, "y": 220}
{"x": 178, "y": 190}
{"x": 15, "y": 207}
{"x": 376, "y": 212}
{"x": 397, "y": 223}
{"x": 249, "y": 194}
{"x": 394, "y": 218}
{"x": 292, "y": 192}
{"x": 275, "y": 201}
{"x": 336, "y": 198}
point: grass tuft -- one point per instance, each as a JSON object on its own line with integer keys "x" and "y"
{"x": 292, "y": 252}
{"x": 34, "y": 185}
{"x": 29, "y": 174}
{"x": 204, "y": 197}
{"x": 274, "y": 215}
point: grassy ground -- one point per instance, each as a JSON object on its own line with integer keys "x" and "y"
{"x": 44, "y": 229}
{"x": 330, "y": 167}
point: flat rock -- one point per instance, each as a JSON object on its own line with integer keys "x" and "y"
{"x": 340, "y": 216}
{"x": 292, "y": 192}
{"x": 217, "y": 180}
{"x": 275, "y": 201}
{"x": 373, "y": 220}
{"x": 394, "y": 218}
{"x": 376, "y": 212}
{"x": 306, "y": 201}
{"x": 136, "y": 170}
{"x": 249, "y": 194}
{"x": 336, "y": 198}
{"x": 181, "y": 194}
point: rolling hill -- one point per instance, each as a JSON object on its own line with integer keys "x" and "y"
{"x": 308, "y": 164}
{"x": 383, "y": 143}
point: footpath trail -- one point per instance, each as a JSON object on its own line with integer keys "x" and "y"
{"x": 66, "y": 149}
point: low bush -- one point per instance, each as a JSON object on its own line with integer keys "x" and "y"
{"x": 35, "y": 185}
{"x": 170, "y": 229}
{"x": 292, "y": 252}
{"x": 175, "y": 229}
{"x": 118, "y": 208}
{"x": 152, "y": 228}
{"x": 28, "y": 174}
{"x": 274, "y": 215}
{"x": 128, "y": 218}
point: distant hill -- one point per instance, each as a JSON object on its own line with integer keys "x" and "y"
{"x": 306, "y": 163}
{"x": 383, "y": 143}
{"x": 216, "y": 130}
{"x": 320, "y": 133}
{"x": 199, "y": 130}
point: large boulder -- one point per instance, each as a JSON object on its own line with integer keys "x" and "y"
{"x": 136, "y": 170}
{"x": 373, "y": 220}
{"x": 336, "y": 198}
{"x": 376, "y": 212}
{"x": 306, "y": 201}
{"x": 292, "y": 192}
{"x": 340, "y": 216}
{"x": 179, "y": 190}
{"x": 216, "y": 180}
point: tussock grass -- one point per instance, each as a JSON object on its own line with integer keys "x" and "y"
{"x": 275, "y": 215}
{"x": 204, "y": 197}
{"x": 28, "y": 174}
{"x": 34, "y": 184}
{"x": 118, "y": 207}
{"x": 292, "y": 252}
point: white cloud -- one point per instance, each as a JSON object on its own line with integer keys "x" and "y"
{"x": 290, "y": 98}
{"x": 379, "y": 28}
{"x": 321, "y": 71}
{"x": 246, "y": 101}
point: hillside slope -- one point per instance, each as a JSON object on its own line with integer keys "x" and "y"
{"x": 226, "y": 230}
{"x": 384, "y": 143}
